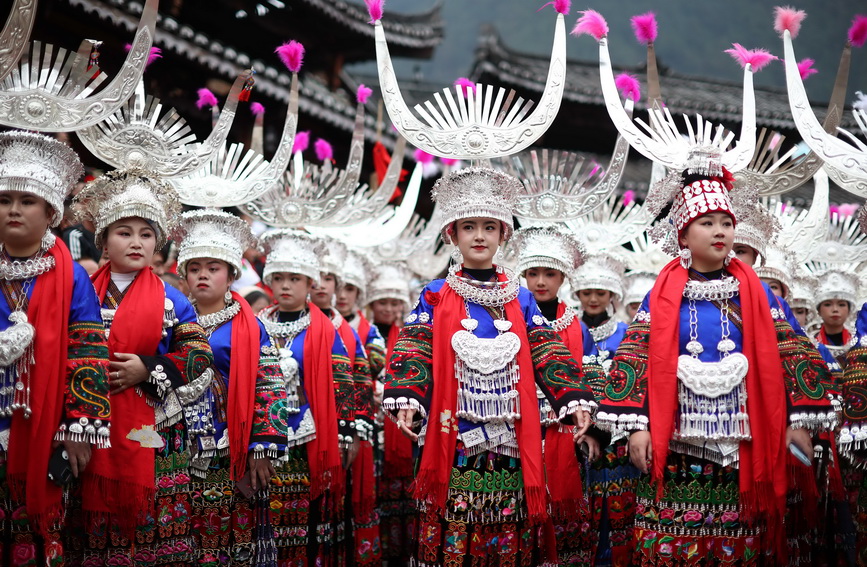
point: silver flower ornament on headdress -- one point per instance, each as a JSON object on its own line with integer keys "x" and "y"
{"x": 291, "y": 251}
{"x": 51, "y": 93}
{"x": 212, "y": 233}
{"x": 547, "y": 246}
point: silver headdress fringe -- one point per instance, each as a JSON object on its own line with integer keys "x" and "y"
{"x": 547, "y": 246}
{"x": 601, "y": 270}
{"x": 475, "y": 192}
{"x": 32, "y": 163}
{"x": 211, "y": 233}
{"x": 390, "y": 281}
{"x": 125, "y": 194}
{"x": 291, "y": 251}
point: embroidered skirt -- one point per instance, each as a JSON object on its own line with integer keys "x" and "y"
{"x": 613, "y": 479}
{"x": 697, "y": 520}
{"x": 483, "y": 524}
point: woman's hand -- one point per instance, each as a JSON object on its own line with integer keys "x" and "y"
{"x": 581, "y": 419}
{"x": 640, "y": 450}
{"x": 79, "y": 453}
{"x": 593, "y": 449}
{"x": 405, "y": 418}
{"x": 261, "y": 471}
{"x": 126, "y": 371}
{"x": 802, "y": 440}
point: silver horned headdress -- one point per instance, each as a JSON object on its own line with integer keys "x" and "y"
{"x": 15, "y": 36}
{"x": 547, "y": 246}
{"x": 486, "y": 123}
{"x": 475, "y": 192}
{"x": 129, "y": 193}
{"x": 33, "y": 163}
{"x": 212, "y": 233}
{"x": 53, "y": 90}
{"x": 138, "y": 136}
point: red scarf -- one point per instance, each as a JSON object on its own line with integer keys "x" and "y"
{"x": 124, "y": 474}
{"x": 31, "y": 439}
{"x": 398, "y": 447}
{"x": 823, "y": 337}
{"x": 363, "y": 326}
{"x": 763, "y": 460}
{"x": 323, "y": 452}
{"x": 435, "y": 469}
{"x": 561, "y": 462}
{"x": 243, "y": 369}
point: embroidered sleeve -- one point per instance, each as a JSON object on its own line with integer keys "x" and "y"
{"x": 86, "y": 401}
{"x": 363, "y": 395}
{"x": 344, "y": 391}
{"x": 853, "y": 434}
{"x": 269, "y": 407}
{"x": 188, "y": 358}
{"x": 558, "y": 374}
{"x": 624, "y": 396}
{"x": 409, "y": 372}
{"x": 812, "y": 401}
{"x": 375, "y": 348}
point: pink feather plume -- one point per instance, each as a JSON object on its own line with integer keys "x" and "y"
{"x": 628, "y": 86}
{"x": 788, "y": 18}
{"x": 592, "y": 23}
{"x": 257, "y": 109}
{"x": 155, "y": 53}
{"x": 858, "y": 31}
{"x": 562, "y": 6}
{"x": 645, "y": 27}
{"x": 206, "y": 99}
{"x": 834, "y": 209}
{"x": 292, "y": 55}
{"x": 628, "y": 197}
{"x": 301, "y": 142}
{"x": 847, "y": 209}
{"x": 324, "y": 151}
{"x": 756, "y": 58}
{"x": 374, "y": 8}
{"x": 363, "y": 93}
{"x": 805, "y": 68}
{"x": 465, "y": 85}
{"x": 422, "y": 156}
{"x": 449, "y": 161}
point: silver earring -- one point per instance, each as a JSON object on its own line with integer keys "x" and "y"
{"x": 457, "y": 257}
{"x": 729, "y": 257}
{"x": 685, "y": 258}
{"x": 48, "y": 240}
{"x": 228, "y": 296}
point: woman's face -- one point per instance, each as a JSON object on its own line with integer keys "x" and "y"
{"x": 801, "y": 314}
{"x": 290, "y": 290}
{"x": 709, "y": 238}
{"x": 632, "y": 309}
{"x": 386, "y": 311}
{"x": 478, "y": 240}
{"x": 347, "y": 299}
{"x": 323, "y": 294}
{"x": 834, "y": 312}
{"x": 130, "y": 245}
{"x": 594, "y": 301}
{"x": 775, "y": 286}
{"x": 746, "y": 254}
{"x": 544, "y": 282}
{"x": 24, "y": 218}
{"x": 258, "y": 305}
{"x": 208, "y": 279}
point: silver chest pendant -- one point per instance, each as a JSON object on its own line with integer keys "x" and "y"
{"x": 16, "y": 356}
{"x": 487, "y": 372}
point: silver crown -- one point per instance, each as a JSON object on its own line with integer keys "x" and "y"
{"x": 802, "y": 292}
{"x": 53, "y": 90}
{"x": 559, "y": 185}
{"x": 475, "y": 192}
{"x": 137, "y": 136}
{"x": 357, "y": 271}
{"x": 236, "y": 175}
{"x": 16, "y": 34}
{"x": 601, "y": 270}
{"x": 482, "y": 125}
{"x": 125, "y": 194}
{"x": 390, "y": 281}
{"x": 547, "y": 246}
{"x": 333, "y": 257}
{"x": 837, "y": 283}
{"x": 211, "y": 233}
{"x": 756, "y": 225}
{"x": 778, "y": 264}
{"x": 638, "y": 285}
{"x": 32, "y": 163}
{"x": 291, "y": 251}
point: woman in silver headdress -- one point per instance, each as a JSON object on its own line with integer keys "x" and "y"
{"x": 160, "y": 367}
{"x": 53, "y": 363}
{"x": 247, "y": 398}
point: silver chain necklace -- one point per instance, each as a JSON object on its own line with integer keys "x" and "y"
{"x": 486, "y": 294}
{"x": 603, "y": 331}
{"x": 290, "y": 329}
{"x": 211, "y": 321}
{"x": 24, "y": 269}
{"x": 561, "y": 323}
